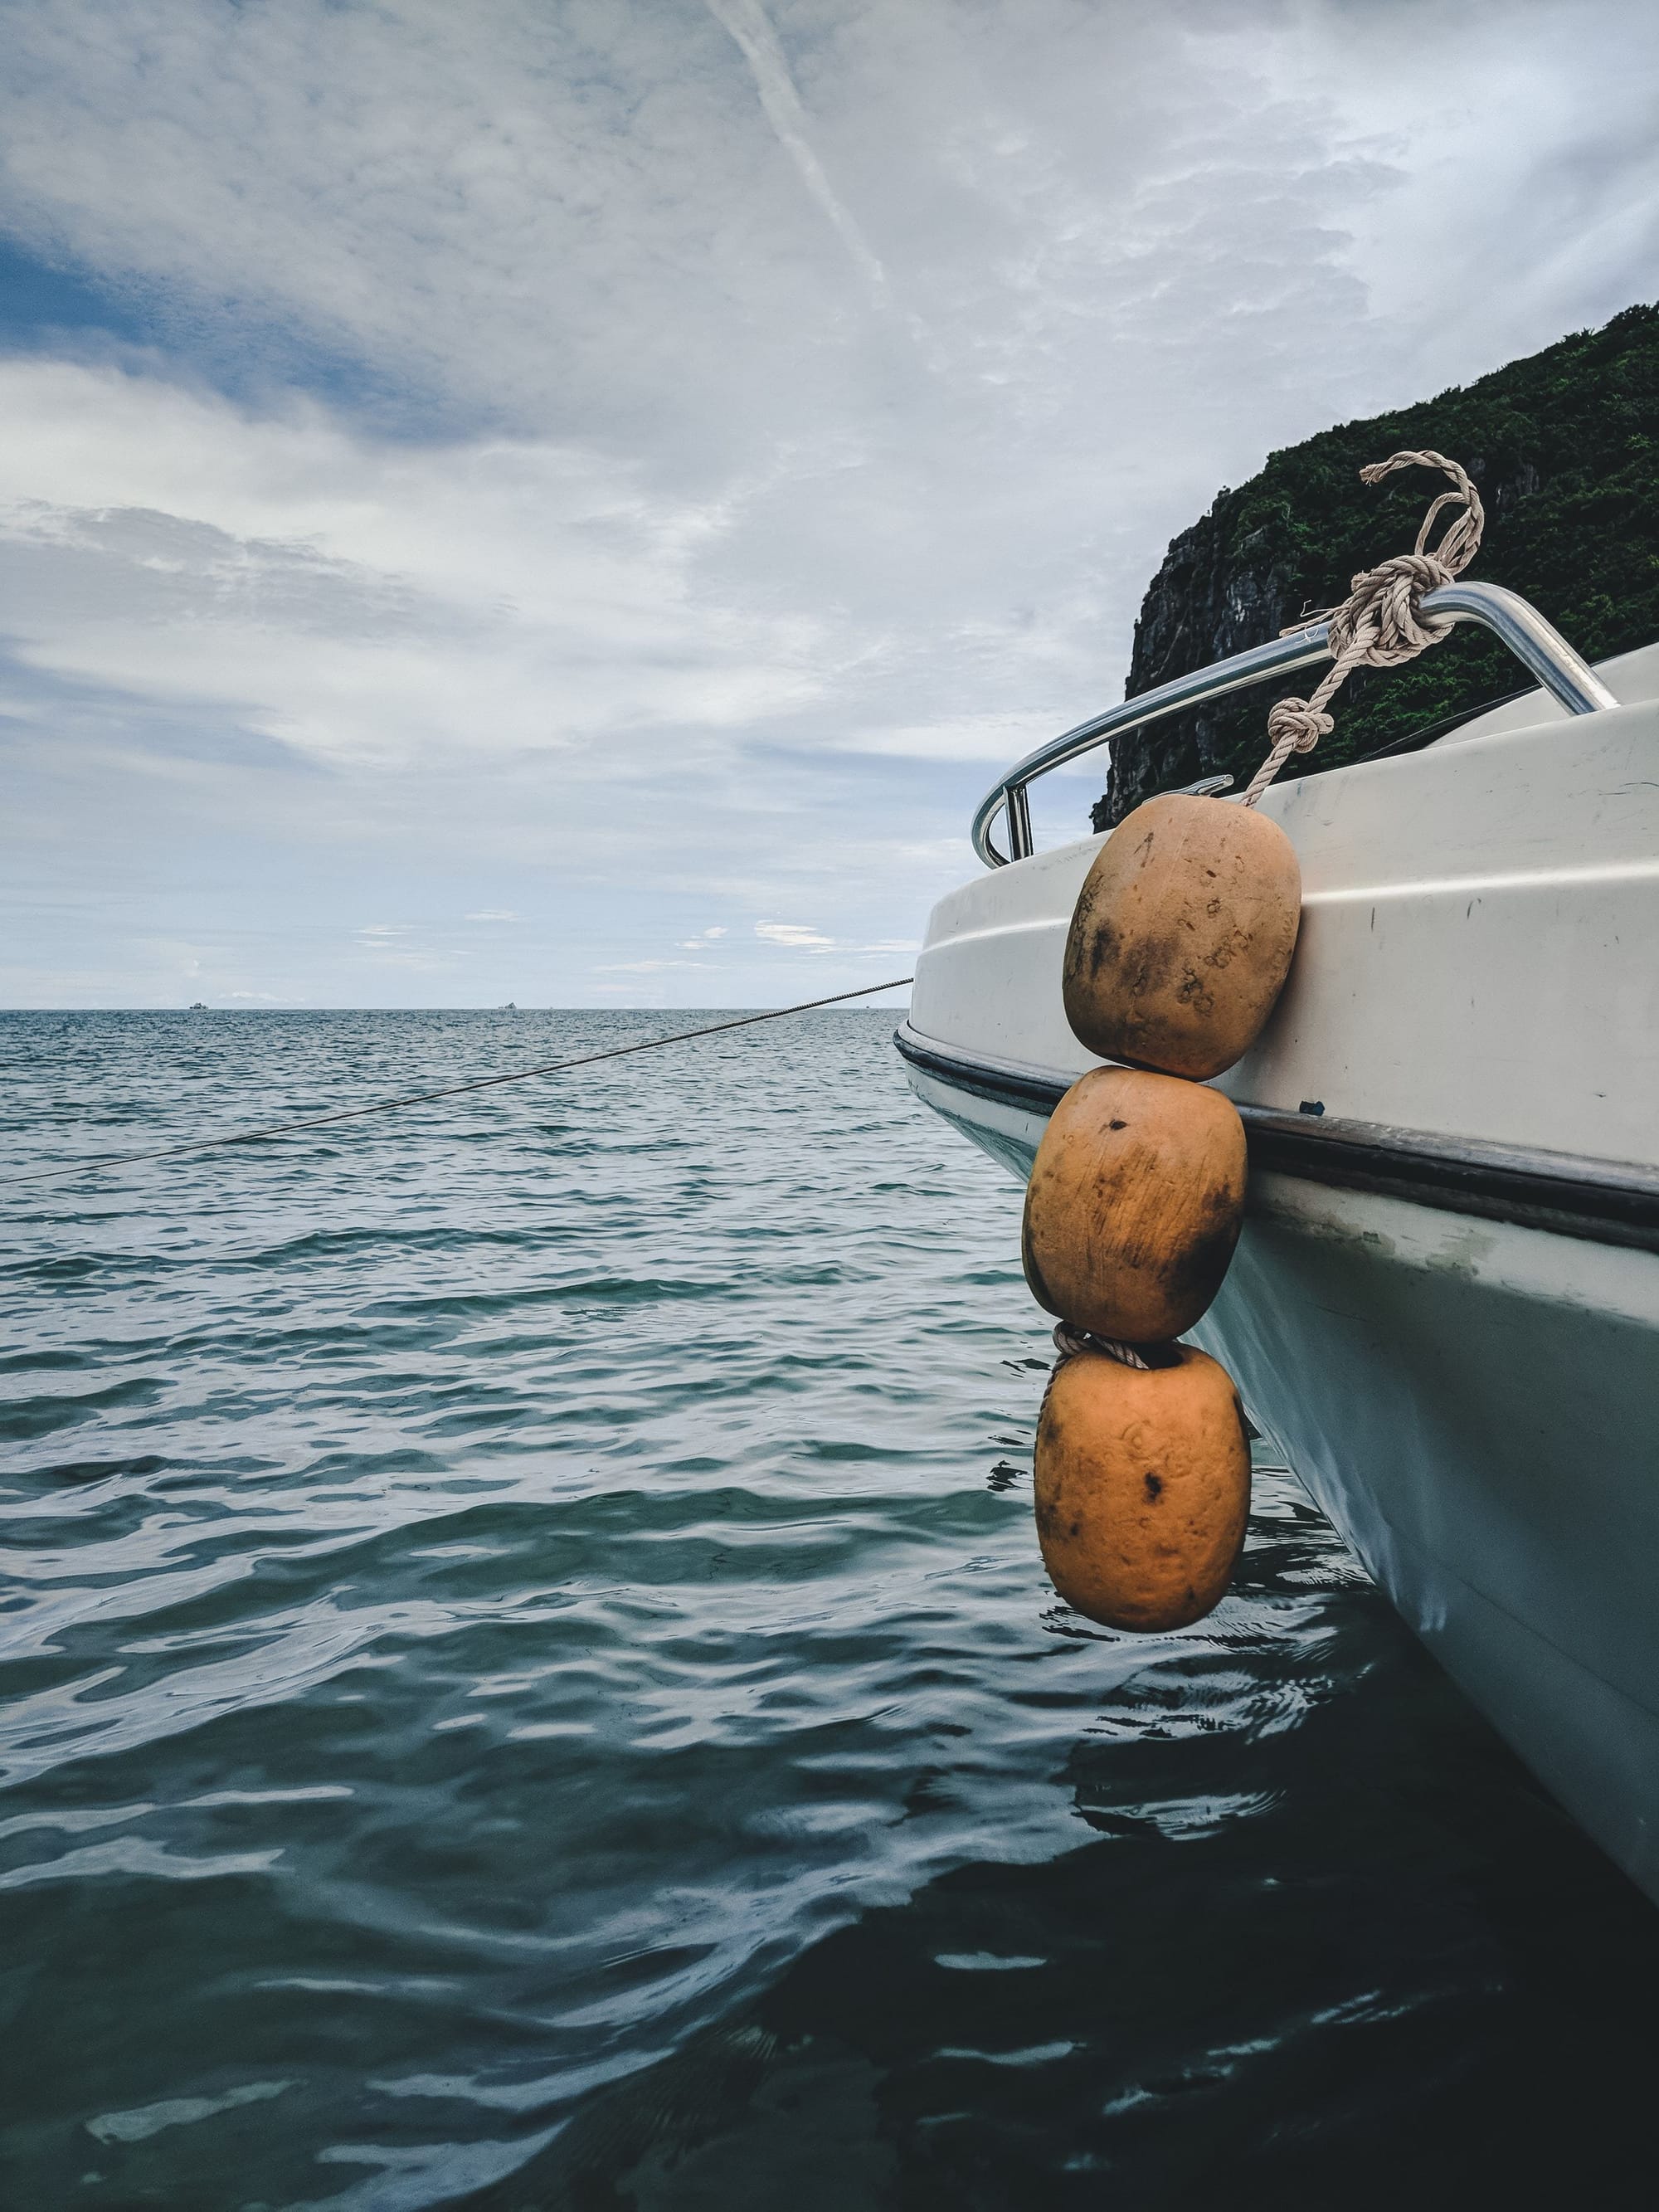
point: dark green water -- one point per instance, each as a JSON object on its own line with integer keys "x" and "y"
{"x": 526, "y": 1679}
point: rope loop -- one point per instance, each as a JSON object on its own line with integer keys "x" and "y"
{"x": 1382, "y": 623}
{"x": 1071, "y": 1342}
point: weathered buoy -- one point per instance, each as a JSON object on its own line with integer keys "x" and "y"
{"x": 1182, "y": 935}
{"x": 1134, "y": 1204}
{"x": 1143, "y": 1486}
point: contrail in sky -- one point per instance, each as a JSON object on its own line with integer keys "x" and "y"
{"x": 747, "y": 21}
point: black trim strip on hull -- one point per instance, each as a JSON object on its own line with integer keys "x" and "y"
{"x": 1603, "y": 1202}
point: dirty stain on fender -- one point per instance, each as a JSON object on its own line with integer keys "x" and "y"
{"x": 1134, "y": 1204}
{"x": 1142, "y": 1487}
{"x": 1182, "y": 935}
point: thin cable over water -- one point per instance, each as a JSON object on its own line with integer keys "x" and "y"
{"x": 450, "y": 1090}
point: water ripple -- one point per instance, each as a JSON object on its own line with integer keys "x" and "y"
{"x": 526, "y": 1679}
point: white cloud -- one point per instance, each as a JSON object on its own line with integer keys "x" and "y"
{"x": 678, "y": 456}
{"x": 645, "y": 966}
{"x": 998, "y": 739}
{"x": 796, "y": 935}
{"x": 515, "y": 596}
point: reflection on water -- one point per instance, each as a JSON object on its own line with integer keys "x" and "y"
{"x": 528, "y": 1682}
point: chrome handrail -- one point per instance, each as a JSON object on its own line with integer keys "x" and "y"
{"x": 1535, "y": 642}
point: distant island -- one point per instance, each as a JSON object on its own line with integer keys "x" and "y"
{"x": 1565, "y": 448}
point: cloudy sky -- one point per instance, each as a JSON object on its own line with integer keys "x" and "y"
{"x": 573, "y": 500}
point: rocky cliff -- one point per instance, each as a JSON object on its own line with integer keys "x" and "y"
{"x": 1565, "y": 448}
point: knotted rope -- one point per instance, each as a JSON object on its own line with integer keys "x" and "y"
{"x": 1382, "y": 623}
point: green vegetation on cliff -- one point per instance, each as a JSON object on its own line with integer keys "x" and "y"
{"x": 1565, "y": 448}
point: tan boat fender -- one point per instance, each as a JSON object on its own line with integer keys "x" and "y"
{"x": 1134, "y": 1204}
{"x": 1143, "y": 1486}
{"x": 1181, "y": 936}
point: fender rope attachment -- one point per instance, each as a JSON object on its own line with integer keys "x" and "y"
{"x": 1381, "y": 623}
{"x": 1069, "y": 1342}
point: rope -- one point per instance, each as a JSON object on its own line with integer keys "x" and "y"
{"x": 450, "y": 1090}
{"x": 1381, "y": 623}
{"x": 1069, "y": 1342}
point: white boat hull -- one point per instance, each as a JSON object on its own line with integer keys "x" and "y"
{"x": 1444, "y": 1308}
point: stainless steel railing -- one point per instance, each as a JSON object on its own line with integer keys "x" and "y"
{"x": 1537, "y": 644}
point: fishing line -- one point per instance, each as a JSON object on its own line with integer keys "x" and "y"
{"x": 450, "y": 1090}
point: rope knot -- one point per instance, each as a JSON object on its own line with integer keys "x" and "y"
{"x": 1297, "y": 725}
{"x": 1382, "y": 623}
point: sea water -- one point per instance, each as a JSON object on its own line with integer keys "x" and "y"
{"x": 526, "y": 1680}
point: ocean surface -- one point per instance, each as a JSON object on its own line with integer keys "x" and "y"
{"x": 526, "y": 1680}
